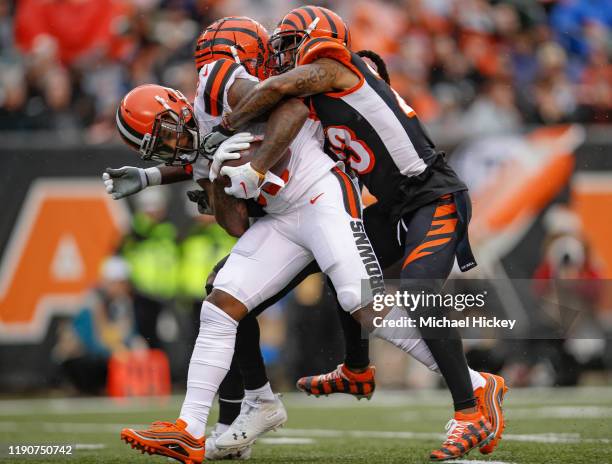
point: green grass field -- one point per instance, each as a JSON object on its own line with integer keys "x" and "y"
{"x": 544, "y": 426}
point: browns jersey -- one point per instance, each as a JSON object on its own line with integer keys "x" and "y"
{"x": 378, "y": 134}
{"x": 307, "y": 164}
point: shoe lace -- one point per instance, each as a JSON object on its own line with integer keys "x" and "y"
{"x": 249, "y": 408}
{"x": 455, "y": 430}
{"x": 333, "y": 375}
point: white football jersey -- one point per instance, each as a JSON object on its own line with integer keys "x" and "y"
{"x": 308, "y": 162}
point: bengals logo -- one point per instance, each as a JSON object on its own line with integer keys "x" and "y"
{"x": 65, "y": 230}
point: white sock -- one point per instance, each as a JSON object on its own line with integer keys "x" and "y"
{"x": 264, "y": 393}
{"x": 409, "y": 340}
{"x": 210, "y": 361}
{"x": 220, "y": 428}
{"x": 478, "y": 380}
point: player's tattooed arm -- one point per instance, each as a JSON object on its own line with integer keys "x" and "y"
{"x": 283, "y": 124}
{"x": 323, "y": 75}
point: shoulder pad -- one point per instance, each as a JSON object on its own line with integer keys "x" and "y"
{"x": 323, "y": 47}
{"x": 213, "y": 81}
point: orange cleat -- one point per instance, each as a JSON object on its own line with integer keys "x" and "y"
{"x": 341, "y": 380}
{"x": 490, "y": 399}
{"x": 167, "y": 439}
{"x": 463, "y": 433}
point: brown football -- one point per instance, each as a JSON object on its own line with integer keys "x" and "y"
{"x": 247, "y": 155}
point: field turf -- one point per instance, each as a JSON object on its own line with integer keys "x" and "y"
{"x": 544, "y": 426}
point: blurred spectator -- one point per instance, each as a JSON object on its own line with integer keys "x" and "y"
{"x": 568, "y": 290}
{"x": 153, "y": 254}
{"x": 204, "y": 246}
{"x": 104, "y": 327}
{"x": 445, "y": 57}
{"x": 493, "y": 112}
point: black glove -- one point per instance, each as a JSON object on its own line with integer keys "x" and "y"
{"x": 200, "y": 197}
{"x": 211, "y": 142}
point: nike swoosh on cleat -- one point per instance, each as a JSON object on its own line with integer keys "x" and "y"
{"x": 314, "y": 199}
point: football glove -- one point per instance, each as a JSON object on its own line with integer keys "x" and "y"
{"x": 124, "y": 181}
{"x": 228, "y": 150}
{"x": 200, "y": 197}
{"x": 246, "y": 181}
{"x": 211, "y": 142}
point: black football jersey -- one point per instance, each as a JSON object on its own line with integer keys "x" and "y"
{"x": 378, "y": 135}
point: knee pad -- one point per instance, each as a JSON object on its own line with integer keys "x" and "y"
{"x": 215, "y": 318}
{"x": 349, "y": 297}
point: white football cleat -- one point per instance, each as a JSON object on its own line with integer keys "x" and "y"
{"x": 255, "y": 419}
{"x": 213, "y": 453}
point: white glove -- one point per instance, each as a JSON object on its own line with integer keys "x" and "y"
{"x": 246, "y": 181}
{"x": 228, "y": 150}
{"x": 128, "y": 180}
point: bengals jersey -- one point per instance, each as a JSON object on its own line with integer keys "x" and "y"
{"x": 375, "y": 131}
{"x": 307, "y": 164}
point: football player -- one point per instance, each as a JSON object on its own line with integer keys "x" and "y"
{"x": 370, "y": 127}
{"x": 273, "y": 251}
{"x": 246, "y": 39}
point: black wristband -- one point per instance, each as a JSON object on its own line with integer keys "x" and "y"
{"x": 223, "y": 130}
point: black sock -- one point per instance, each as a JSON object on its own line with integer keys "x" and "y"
{"x": 447, "y": 350}
{"x": 231, "y": 392}
{"x": 357, "y": 346}
{"x": 249, "y": 354}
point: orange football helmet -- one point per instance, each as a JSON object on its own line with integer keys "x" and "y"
{"x": 239, "y": 38}
{"x": 299, "y": 25}
{"x": 160, "y": 124}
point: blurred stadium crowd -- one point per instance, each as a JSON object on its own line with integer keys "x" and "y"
{"x": 468, "y": 67}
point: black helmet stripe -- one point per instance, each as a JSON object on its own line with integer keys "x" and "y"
{"x": 204, "y": 55}
{"x": 334, "y": 30}
{"x": 241, "y": 29}
{"x": 308, "y": 9}
{"x": 127, "y": 132}
{"x": 302, "y": 19}
{"x": 219, "y": 41}
{"x": 131, "y": 136}
{"x": 290, "y": 23}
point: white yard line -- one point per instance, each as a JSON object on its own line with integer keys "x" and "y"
{"x": 89, "y": 446}
{"x": 476, "y": 461}
{"x": 525, "y": 414}
{"x": 286, "y": 441}
{"x": 79, "y": 427}
{"x": 431, "y": 398}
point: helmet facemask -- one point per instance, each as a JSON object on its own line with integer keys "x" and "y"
{"x": 174, "y": 139}
{"x": 284, "y": 46}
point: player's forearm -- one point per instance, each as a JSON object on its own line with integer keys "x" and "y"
{"x": 230, "y": 213}
{"x": 318, "y": 77}
{"x": 172, "y": 174}
{"x": 283, "y": 125}
{"x": 257, "y": 102}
